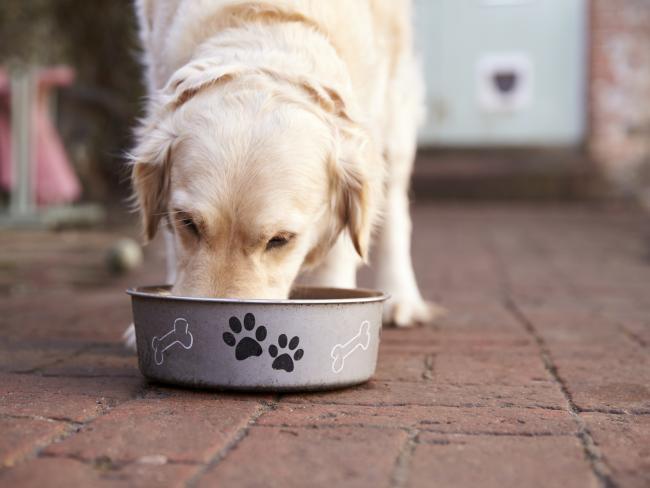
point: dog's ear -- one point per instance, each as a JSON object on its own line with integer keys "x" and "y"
{"x": 354, "y": 188}
{"x": 354, "y": 192}
{"x": 196, "y": 76}
{"x": 150, "y": 177}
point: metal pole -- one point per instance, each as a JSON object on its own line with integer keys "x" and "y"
{"x": 21, "y": 202}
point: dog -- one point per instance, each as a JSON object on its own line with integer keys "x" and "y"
{"x": 278, "y": 140}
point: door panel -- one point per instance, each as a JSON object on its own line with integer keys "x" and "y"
{"x": 503, "y": 72}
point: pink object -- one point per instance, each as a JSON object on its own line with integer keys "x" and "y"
{"x": 54, "y": 179}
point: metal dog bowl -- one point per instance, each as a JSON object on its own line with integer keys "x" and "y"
{"x": 321, "y": 338}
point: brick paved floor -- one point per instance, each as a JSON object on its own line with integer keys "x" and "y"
{"x": 540, "y": 375}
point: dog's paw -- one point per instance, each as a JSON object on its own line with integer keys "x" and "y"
{"x": 129, "y": 338}
{"x": 406, "y": 312}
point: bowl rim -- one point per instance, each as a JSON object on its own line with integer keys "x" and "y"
{"x": 368, "y": 296}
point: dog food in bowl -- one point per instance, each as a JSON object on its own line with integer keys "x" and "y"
{"x": 321, "y": 338}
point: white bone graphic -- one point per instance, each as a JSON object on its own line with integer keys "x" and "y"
{"x": 180, "y": 334}
{"x": 342, "y": 351}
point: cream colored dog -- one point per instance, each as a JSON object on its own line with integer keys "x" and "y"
{"x": 278, "y": 134}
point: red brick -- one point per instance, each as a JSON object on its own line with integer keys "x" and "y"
{"x": 498, "y": 461}
{"x": 468, "y": 342}
{"x": 630, "y": 313}
{"x": 500, "y": 367}
{"x": 480, "y": 313}
{"x": 625, "y": 24}
{"x": 586, "y": 295}
{"x": 77, "y": 399}
{"x": 281, "y": 457}
{"x": 422, "y": 337}
{"x": 26, "y": 356}
{"x": 624, "y": 443}
{"x": 620, "y": 396}
{"x": 396, "y": 366}
{"x": 84, "y": 315}
{"x": 377, "y": 393}
{"x": 606, "y": 377}
{"x": 185, "y": 429}
{"x": 105, "y": 361}
{"x": 156, "y": 391}
{"x": 23, "y": 436}
{"x": 440, "y": 419}
{"x": 562, "y": 322}
{"x": 65, "y": 472}
{"x": 462, "y": 342}
{"x": 469, "y": 324}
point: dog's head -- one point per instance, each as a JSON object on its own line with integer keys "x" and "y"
{"x": 256, "y": 174}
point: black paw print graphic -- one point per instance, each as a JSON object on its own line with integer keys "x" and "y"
{"x": 285, "y": 361}
{"x": 246, "y": 346}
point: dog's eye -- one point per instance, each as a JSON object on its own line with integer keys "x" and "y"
{"x": 186, "y": 222}
{"x": 278, "y": 241}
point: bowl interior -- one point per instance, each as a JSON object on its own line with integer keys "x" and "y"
{"x": 299, "y": 294}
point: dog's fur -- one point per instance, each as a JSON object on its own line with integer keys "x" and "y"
{"x": 278, "y": 135}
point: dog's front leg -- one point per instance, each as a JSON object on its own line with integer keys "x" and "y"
{"x": 395, "y": 273}
{"x": 170, "y": 260}
{"x": 338, "y": 269}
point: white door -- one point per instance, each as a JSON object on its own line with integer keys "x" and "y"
{"x": 503, "y": 72}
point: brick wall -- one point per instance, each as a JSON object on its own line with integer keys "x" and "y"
{"x": 619, "y": 138}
